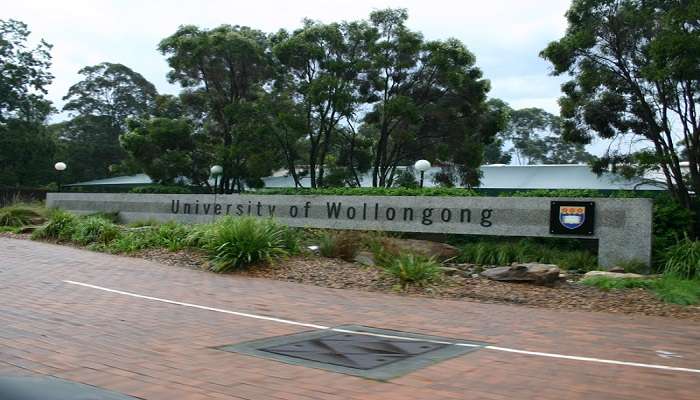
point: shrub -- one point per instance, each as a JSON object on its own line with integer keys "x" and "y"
{"x": 237, "y": 242}
{"x": 413, "y": 269}
{"x": 367, "y": 191}
{"x": 18, "y": 215}
{"x": 60, "y": 226}
{"x": 607, "y": 283}
{"x": 678, "y": 291}
{"x": 94, "y": 229}
{"x": 683, "y": 260}
{"x": 340, "y": 244}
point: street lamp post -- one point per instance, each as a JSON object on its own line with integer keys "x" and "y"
{"x": 60, "y": 167}
{"x": 216, "y": 171}
{"x": 422, "y": 166}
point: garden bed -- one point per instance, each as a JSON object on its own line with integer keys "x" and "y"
{"x": 339, "y": 274}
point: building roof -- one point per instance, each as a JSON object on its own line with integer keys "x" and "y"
{"x": 514, "y": 177}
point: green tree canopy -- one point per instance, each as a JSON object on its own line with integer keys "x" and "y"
{"x": 100, "y": 106}
{"x": 26, "y": 147}
{"x": 223, "y": 71}
{"x": 319, "y": 65}
{"x": 162, "y": 147}
{"x": 635, "y": 66}
{"x": 111, "y": 90}
{"x": 535, "y": 136}
{"x": 428, "y": 100}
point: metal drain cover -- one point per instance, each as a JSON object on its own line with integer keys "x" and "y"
{"x": 354, "y": 350}
{"x": 357, "y": 350}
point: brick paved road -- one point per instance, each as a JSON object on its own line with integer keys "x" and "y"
{"x": 160, "y": 351}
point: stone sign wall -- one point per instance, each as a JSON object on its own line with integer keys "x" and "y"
{"x": 622, "y": 226}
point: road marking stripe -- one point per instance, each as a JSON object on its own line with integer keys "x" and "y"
{"x": 322, "y": 327}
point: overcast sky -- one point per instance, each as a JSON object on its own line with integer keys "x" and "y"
{"x": 505, "y": 35}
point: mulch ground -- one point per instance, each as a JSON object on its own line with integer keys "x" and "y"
{"x": 339, "y": 274}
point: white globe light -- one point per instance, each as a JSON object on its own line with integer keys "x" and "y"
{"x": 217, "y": 170}
{"x": 60, "y": 166}
{"x": 422, "y": 165}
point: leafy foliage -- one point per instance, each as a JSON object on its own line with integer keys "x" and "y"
{"x": 406, "y": 179}
{"x": 25, "y": 74}
{"x": 223, "y": 71}
{"x": 111, "y": 90}
{"x": 536, "y": 138}
{"x": 428, "y": 98}
{"x": 162, "y": 147}
{"x": 26, "y": 147}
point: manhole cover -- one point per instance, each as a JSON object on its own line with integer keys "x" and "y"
{"x": 46, "y": 388}
{"x": 357, "y": 350}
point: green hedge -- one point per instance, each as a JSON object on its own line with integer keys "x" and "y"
{"x": 346, "y": 191}
{"x": 165, "y": 189}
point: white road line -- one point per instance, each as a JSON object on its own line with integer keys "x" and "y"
{"x": 315, "y": 326}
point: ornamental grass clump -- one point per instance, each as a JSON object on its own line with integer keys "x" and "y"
{"x": 18, "y": 215}
{"x": 234, "y": 243}
{"x": 340, "y": 244}
{"x": 60, "y": 226}
{"x": 489, "y": 252}
{"x": 94, "y": 230}
{"x": 412, "y": 269}
{"x": 683, "y": 260}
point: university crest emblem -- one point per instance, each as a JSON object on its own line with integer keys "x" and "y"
{"x": 572, "y": 217}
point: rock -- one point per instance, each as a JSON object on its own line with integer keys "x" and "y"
{"x": 475, "y": 276}
{"x": 526, "y": 272}
{"x": 449, "y": 271}
{"x": 427, "y": 248}
{"x": 615, "y": 275}
{"x": 617, "y": 269}
{"x": 365, "y": 258}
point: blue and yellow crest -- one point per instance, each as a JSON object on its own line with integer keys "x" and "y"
{"x": 572, "y": 217}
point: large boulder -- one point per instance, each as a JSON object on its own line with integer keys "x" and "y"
{"x": 427, "y": 248}
{"x": 537, "y": 273}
